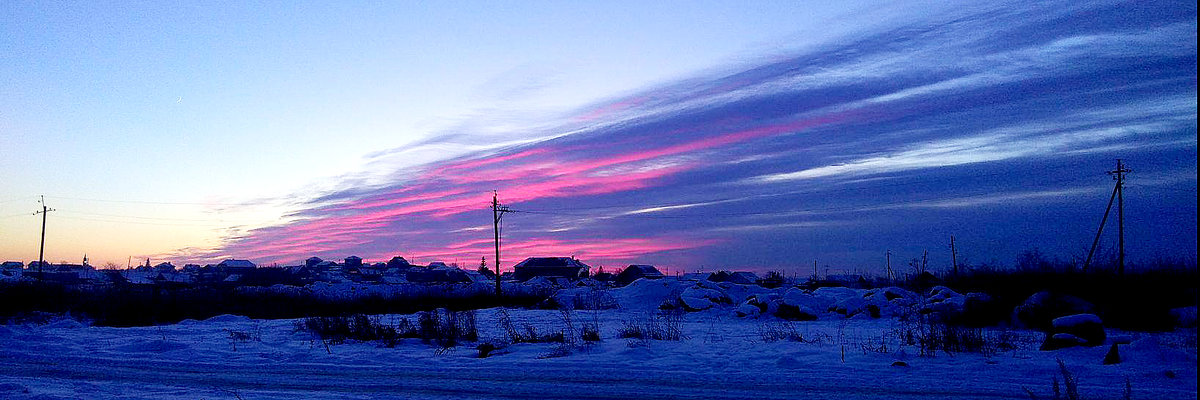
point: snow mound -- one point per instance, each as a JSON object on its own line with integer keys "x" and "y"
{"x": 697, "y": 298}
{"x": 747, "y": 310}
{"x": 153, "y": 346}
{"x": 1040, "y": 309}
{"x": 584, "y": 298}
{"x": 645, "y": 293}
{"x": 228, "y": 318}
{"x": 64, "y": 323}
{"x": 815, "y": 301}
{"x": 1072, "y": 321}
{"x": 1087, "y": 327}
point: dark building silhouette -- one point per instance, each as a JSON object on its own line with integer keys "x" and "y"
{"x": 635, "y": 272}
{"x": 550, "y": 267}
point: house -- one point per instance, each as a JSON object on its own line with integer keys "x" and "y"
{"x": 719, "y": 276}
{"x": 635, "y": 272}
{"x": 311, "y": 261}
{"x": 437, "y": 273}
{"x": 11, "y": 274}
{"x": 374, "y": 269}
{"x": 743, "y": 278}
{"x": 476, "y": 276}
{"x": 398, "y": 262}
{"x": 327, "y": 266}
{"x": 604, "y": 277}
{"x": 165, "y": 267}
{"x": 353, "y": 262}
{"x": 550, "y": 267}
{"x": 232, "y": 266}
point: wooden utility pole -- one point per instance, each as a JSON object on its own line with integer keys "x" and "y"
{"x": 42, "y": 247}
{"x": 953, "y": 257}
{"x": 1118, "y": 197}
{"x": 497, "y": 213}
{"x": 1099, "y": 230}
{"x": 924, "y": 260}
{"x": 889, "y": 265}
{"x": 1119, "y": 175}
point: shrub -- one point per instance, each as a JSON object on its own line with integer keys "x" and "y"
{"x": 527, "y": 333}
{"x": 932, "y": 337}
{"x": 666, "y": 325}
{"x": 772, "y": 331}
{"x": 1071, "y": 384}
{"x": 590, "y": 332}
{"x": 441, "y": 327}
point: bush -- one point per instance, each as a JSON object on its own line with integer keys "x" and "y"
{"x": 938, "y": 336}
{"x": 527, "y": 333}
{"x": 771, "y": 331}
{"x": 590, "y": 333}
{"x": 441, "y": 327}
{"x": 666, "y": 325}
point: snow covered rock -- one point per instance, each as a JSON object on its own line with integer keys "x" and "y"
{"x": 646, "y": 293}
{"x": 747, "y": 310}
{"x": 696, "y": 303}
{"x": 799, "y": 305}
{"x": 584, "y": 298}
{"x": 849, "y": 306}
{"x": 1061, "y": 341}
{"x": 890, "y": 302}
{"x": 1087, "y": 327}
{"x": 768, "y": 302}
{"x": 698, "y": 298}
{"x": 796, "y": 313}
{"x": 943, "y": 303}
{"x": 738, "y": 292}
{"x": 1043, "y": 307}
{"x": 839, "y": 293}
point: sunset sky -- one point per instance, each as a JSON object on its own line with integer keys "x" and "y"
{"x": 692, "y": 135}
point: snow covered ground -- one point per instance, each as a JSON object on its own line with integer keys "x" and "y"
{"x": 722, "y": 357}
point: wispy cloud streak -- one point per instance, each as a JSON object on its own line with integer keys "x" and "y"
{"x": 1000, "y": 106}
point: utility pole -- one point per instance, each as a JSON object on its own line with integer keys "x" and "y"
{"x": 953, "y": 257}
{"x": 889, "y": 265}
{"x": 1118, "y": 197}
{"x": 42, "y": 248}
{"x": 497, "y": 213}
{"x": 1119, "y": 175}
{"x": 924, "y": 260}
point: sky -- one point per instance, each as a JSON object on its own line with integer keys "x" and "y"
{"x": 690, "y": 135}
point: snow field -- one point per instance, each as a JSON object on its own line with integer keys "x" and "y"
{"x": 721, "y": 356}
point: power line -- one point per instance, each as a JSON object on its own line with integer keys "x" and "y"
{"x": 147, "y": 202}
{"x": 17, "y": 199}
{"x": 138, "y": 222}
{"x": 140, "y": 217}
